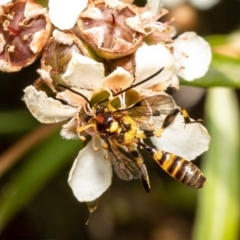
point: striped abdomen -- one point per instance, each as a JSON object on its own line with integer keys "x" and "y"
{"x": 179, "y": 168}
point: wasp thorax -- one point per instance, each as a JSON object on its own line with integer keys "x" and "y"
{"x": 104, "y": 122}
{"x": 112, "y": 28}
{"x": 24, "y": 30}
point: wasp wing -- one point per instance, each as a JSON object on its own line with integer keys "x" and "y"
{"x": 150, "y": 112}
{"x": 124, "y": 166}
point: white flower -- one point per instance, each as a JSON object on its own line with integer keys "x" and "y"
{"x": 191, "y": 52}
{"x": 46, "y": 109}
{"x": 91, "y": 173}
{"x": 86, "y": 73}
{"x": 192, "y": 56}
{"x": 149, "y": 59}
{"x": 204, "y": 4}
{"x": 86, "y": 76}
{"x": 3, "y": 2}
{"x": 185, "y": 140}
{"x": 64, "y": 14}
{"x": 86, "y": 79}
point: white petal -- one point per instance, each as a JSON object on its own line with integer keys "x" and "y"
{"x": 187, "y": 141}
{"x": 118, "y": 79}
{"x": 91, "y": 174}
{"x": 33, "y": 10}
{"x": 46, "y": 109}
{"x": 115, "y": 4}
{"x": 92, "y": 12}
{"x": 63, "y": 37}
{"x": 3, "y": 2}
{"x": 149, "y": 60}
{"x": 204, "y": 4}
{"x": 64, "y": 14}
{"x": 172, "y": 3}
{"x": 96, "y": 34}
{"x": 193, "y": 54}
{"x": 174, "y": 81}
{"x": 74, "y": 99}
{"x": 135, "y": 23}
{"x": 155, "y": 6}
{"x": 84, "y": 72}
{"x": 69, "y": 130}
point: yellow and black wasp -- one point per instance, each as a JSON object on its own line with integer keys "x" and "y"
{"x": 123, "y": 131}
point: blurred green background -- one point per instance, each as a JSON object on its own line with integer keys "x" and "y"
{"x": 37, "y": 203}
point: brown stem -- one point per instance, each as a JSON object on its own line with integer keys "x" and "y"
{"x": 15, "y": 152}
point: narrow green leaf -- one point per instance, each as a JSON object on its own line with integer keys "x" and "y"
{"x": 216, "y": 40}
{"x": 38, "y": 169}
{"x": 218, "y": 212}
{"x": 16, "y": 122}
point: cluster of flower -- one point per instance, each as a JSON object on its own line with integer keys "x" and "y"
{"x": 100, "y": 46}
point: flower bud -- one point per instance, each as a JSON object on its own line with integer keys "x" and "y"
{"x": 56, "y": 56}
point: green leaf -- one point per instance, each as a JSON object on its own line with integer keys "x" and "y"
{"x": 24, "y": 123}
{"x": 223, "y": 72}
{"x": 218, "y": 212}
{"x": 42, "y": 165}
{"x": 217, "y": 40}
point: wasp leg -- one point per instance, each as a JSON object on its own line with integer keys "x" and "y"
{"x": 171, "y": 117}
{"x": 121, "y": 135}
{"x": 84, "y": 127}
{"x": 139, "y": 160}
{"x": 177, "y": 167}
{"x": 186, "y": 117}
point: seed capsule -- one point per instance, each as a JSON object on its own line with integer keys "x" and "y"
{"x": 112, "y": 28}
{"x": 24, "y": 30}
{"x": 57, "y": 54}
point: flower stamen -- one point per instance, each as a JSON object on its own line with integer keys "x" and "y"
{"x": 95, "y": 148}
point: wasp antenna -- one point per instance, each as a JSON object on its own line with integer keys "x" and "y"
{"x": 139, "y": 83}
{"x": 78, "y": 93}
{"x": 135, "y": 85}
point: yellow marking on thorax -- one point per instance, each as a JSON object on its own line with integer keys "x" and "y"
{"x": 114, "y": 127}
{"x": 130, "y": 134}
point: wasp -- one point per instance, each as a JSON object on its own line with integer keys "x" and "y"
{"x": 123, "y": 131}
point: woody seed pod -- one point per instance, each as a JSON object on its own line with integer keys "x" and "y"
{"x": 112, "y": 28}
{"x": 24, "y": 30}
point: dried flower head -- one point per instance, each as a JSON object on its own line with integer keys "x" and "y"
{"x": 112, "y": 28}
{"x": 24, "y": 30}
{"x": 76, "y": 85}
{"x": 57, "y": 54}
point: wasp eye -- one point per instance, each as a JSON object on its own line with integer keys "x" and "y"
{"x": 87, "y": 117}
